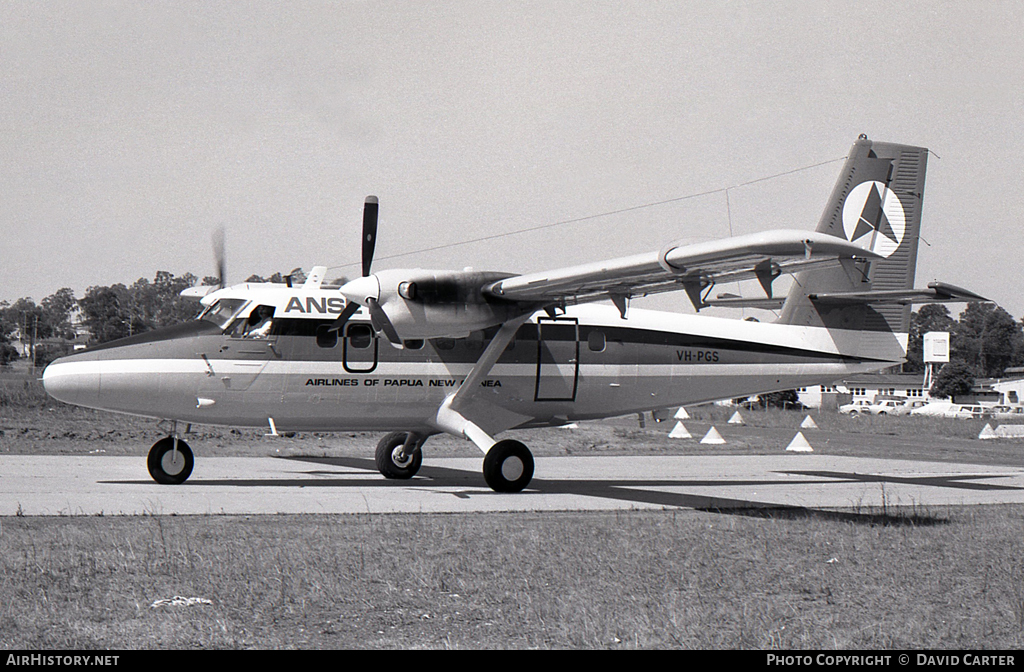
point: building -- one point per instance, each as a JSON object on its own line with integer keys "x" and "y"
{"x": 1010, "y": 388}
{"x": 869, "y": 386}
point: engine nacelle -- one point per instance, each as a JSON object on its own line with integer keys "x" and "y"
{"x": 424, "y": 304}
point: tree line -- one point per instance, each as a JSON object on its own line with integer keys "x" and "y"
{"x": 107, "y": 312}
{"x": 985, "y": 340}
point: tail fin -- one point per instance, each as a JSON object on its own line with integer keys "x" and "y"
{"x": 876, "y": 202}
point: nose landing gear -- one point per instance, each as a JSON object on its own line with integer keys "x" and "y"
{"x": 398, "y": 455}
{"x": 170, "y": 461}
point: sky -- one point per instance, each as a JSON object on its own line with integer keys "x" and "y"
{"x": 506, "y": 136}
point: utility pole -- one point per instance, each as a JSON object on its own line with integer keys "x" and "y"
{"x": 32, "y": 348}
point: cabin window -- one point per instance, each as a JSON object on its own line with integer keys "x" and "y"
{"x": 475, "y": 340}
{"x": 360, "y": 336}
{"x": 596, "y": 341}
{"x": 413, "y": 344}
{"x": 326, "y": 337}
{"x": 443, "y": 343}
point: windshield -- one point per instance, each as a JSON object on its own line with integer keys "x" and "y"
{"x": 221, "y": 312}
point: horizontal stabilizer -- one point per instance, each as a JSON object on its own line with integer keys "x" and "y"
{"x": 197, "y": 292}
{"x": 937, "y": 292}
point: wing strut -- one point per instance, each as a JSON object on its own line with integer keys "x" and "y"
{"x": 449, "y": 417}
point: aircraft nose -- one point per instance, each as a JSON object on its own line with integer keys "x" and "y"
{"x": 72, "y": 380}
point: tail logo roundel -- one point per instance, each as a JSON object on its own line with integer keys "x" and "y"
{"x": 873, "y": 217}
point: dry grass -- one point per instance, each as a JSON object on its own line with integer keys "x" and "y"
{"x": 952, "y": 579}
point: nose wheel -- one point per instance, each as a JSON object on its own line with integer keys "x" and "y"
{"x": 170, "y": 464}
{"x": 398, "y": 455}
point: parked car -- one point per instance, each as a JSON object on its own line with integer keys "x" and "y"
{"x": 910, "y": 405}
{"x": 860, "y": 406}
{"x": 940, "y": 409}
{"x": 970, "y": 412}
{"x": 888, "y": 407}
{"x": 1006, "y": 413}
{"x": 947, "y": 409}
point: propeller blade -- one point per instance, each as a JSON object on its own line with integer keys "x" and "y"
{"x": 381, "y": 322}
{"x": 218, "y": 253}
{"x": 350, "y": 308}
{"x": 370, "y": 209}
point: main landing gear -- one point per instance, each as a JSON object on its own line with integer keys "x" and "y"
{"x": 170, "y": 461}
{"x": 508, "y": 464}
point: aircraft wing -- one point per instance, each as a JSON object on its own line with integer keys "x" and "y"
{"x": 692, "y": 268}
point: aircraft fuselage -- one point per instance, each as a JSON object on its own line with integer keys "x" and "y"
{"x": 585, "y": 364}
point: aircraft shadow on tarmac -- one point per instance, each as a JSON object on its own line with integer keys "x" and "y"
{"x": 469, "y": 484}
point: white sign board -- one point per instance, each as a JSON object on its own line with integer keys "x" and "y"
{"x": 936, "y": 346}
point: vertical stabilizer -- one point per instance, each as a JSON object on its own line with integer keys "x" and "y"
{"x": 876, "y": 203}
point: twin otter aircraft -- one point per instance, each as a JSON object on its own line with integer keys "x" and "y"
{"x": 416, "y": 352}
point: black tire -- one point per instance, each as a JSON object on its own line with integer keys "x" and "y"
{"x": 387, "y": 460}
{"x": 508, "y": 466}
{"x": 163, "y": 466}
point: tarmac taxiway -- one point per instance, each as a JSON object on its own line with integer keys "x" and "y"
{"x": 96, "y": 484}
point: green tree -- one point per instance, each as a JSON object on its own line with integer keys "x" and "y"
{"x": 110, "y": 313}
{"x": 783, "y": 399}
{"x": 57, "y": 311}
{"x": 931, "y": 317}
{"x": 7, "y": 326}
{"x": 987, "y": 339}
{"x": 8, "y": 353}
{"x": 29, "y": 319}
{"x": 118, "y": 311}
{"x": 159, "y": 303}
{"x": 955, "y": 378}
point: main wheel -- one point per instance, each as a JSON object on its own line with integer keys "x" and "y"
{"x": 390, "y": 460}
{"x": 167, "y": 465}
{"x": 508, "y": 466}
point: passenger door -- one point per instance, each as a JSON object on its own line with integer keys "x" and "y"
{"x": 558, "y": 353}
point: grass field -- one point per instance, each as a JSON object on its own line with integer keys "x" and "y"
{"x": 943, "y": 579}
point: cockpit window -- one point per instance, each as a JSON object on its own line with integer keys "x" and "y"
{"x": 221, "y": 312}
{"x": 260, "y": 322}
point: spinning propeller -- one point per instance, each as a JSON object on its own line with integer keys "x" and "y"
{"x": 218, "y": 253}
